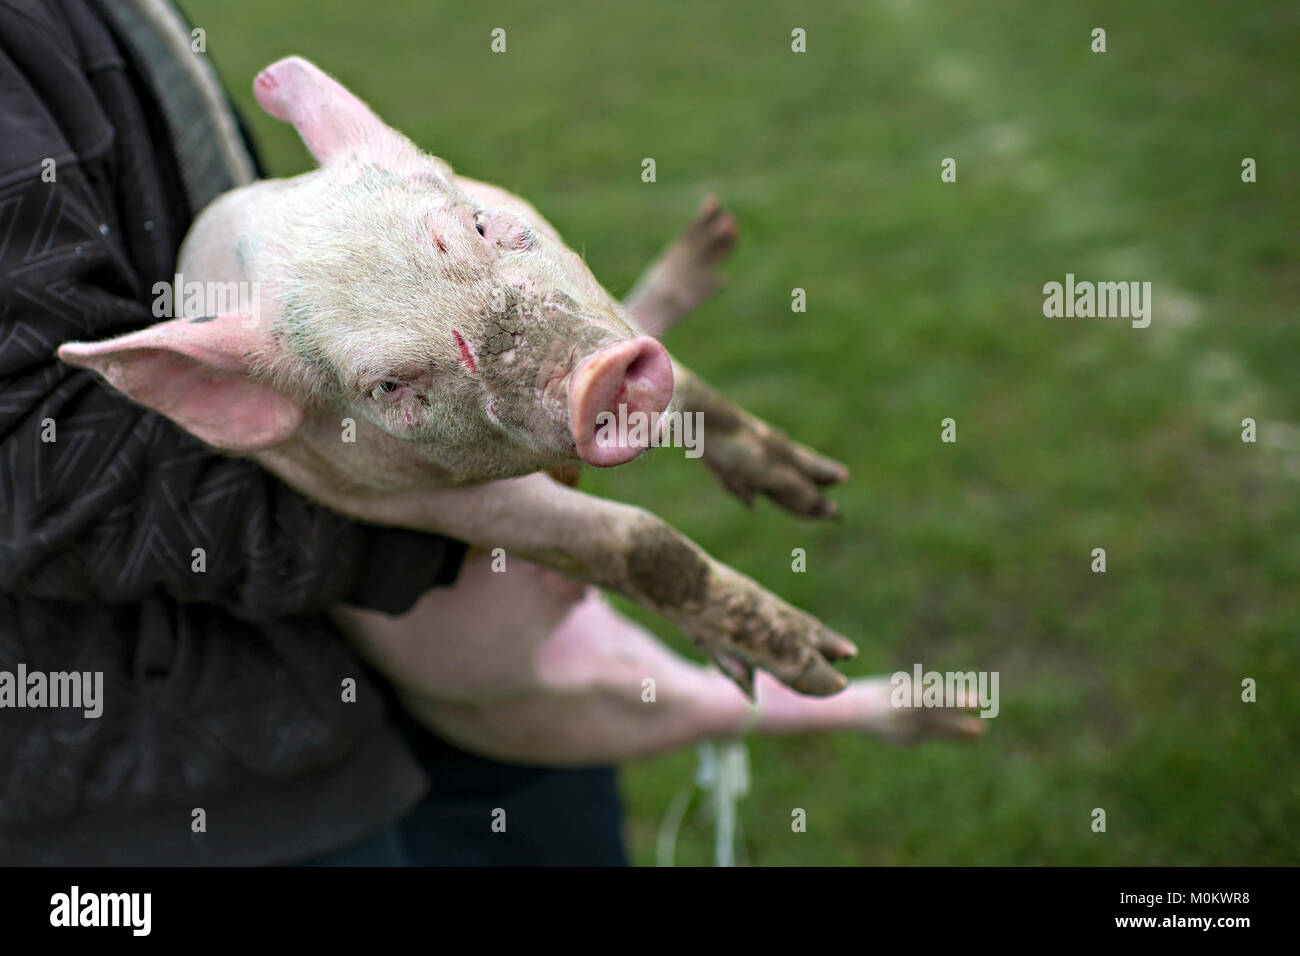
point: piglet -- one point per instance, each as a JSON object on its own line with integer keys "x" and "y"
{"x": 421, "y": 348}
{"x": 520, "y": 663}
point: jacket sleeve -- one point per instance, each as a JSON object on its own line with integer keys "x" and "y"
{"x": 100, "y": 499}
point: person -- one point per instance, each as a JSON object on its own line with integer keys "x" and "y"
{"x": 237, "y": 726}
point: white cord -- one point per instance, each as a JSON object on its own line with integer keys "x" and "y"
{"x": 730, "y": 783}
{"x": 666, "y": 842}
{"x": 722, "y": 773}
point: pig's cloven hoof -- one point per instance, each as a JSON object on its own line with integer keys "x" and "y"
{"x": 756, "y": 459}
{"x": 745, "y": 627}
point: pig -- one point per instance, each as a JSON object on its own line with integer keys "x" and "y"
{"x": 554, "y": 676}
{"x": 444, "y": 325}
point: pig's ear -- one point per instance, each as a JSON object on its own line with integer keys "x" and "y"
{"x": 195, "y": 371}
{"x": 330, "y": 120}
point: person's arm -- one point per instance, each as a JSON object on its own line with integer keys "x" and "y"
{"x": 101, "y": 499}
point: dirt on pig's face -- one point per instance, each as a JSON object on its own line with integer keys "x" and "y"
{"x": 454, "y": 327}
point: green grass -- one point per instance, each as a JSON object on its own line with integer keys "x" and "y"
{"x": 1119, "y": 691}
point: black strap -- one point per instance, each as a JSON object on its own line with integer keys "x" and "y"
{"x": 204, "y": 131}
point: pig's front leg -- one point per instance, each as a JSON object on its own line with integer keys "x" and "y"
{"x": 685, "y": 273}
{"x": 738, "y": 624}
{"x": 750, "y": 457}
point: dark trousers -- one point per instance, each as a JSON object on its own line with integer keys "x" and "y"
{"x": 551, "y": 817}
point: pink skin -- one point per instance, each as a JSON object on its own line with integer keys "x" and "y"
{"x": 551, "y": 673}
{"x": 177, "y": 358}
{"x": 530, "y": 666}
{"x": 330, "y": 119}
{"x": 636, "y": 375}
{"x": 608, "y": 366}
{"x": 380, "y": 271}
{"x": 527, "y": 666}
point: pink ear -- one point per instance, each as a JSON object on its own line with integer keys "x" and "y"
{"x": 330, "y": 120}
{"x": 195, "y": 372}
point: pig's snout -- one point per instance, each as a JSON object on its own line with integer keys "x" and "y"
{"x": 616, "y": 397}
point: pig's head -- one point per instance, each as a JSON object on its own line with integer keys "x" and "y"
{"x": 443, "y": 312}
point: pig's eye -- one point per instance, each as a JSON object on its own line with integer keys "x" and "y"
{"x": 384, "y": 388}
{"x": 480, "y": 223}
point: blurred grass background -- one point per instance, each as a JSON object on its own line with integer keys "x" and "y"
{"x": 1119, "y": 691}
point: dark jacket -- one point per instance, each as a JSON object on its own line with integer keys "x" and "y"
{"x": 222, "y": 689}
